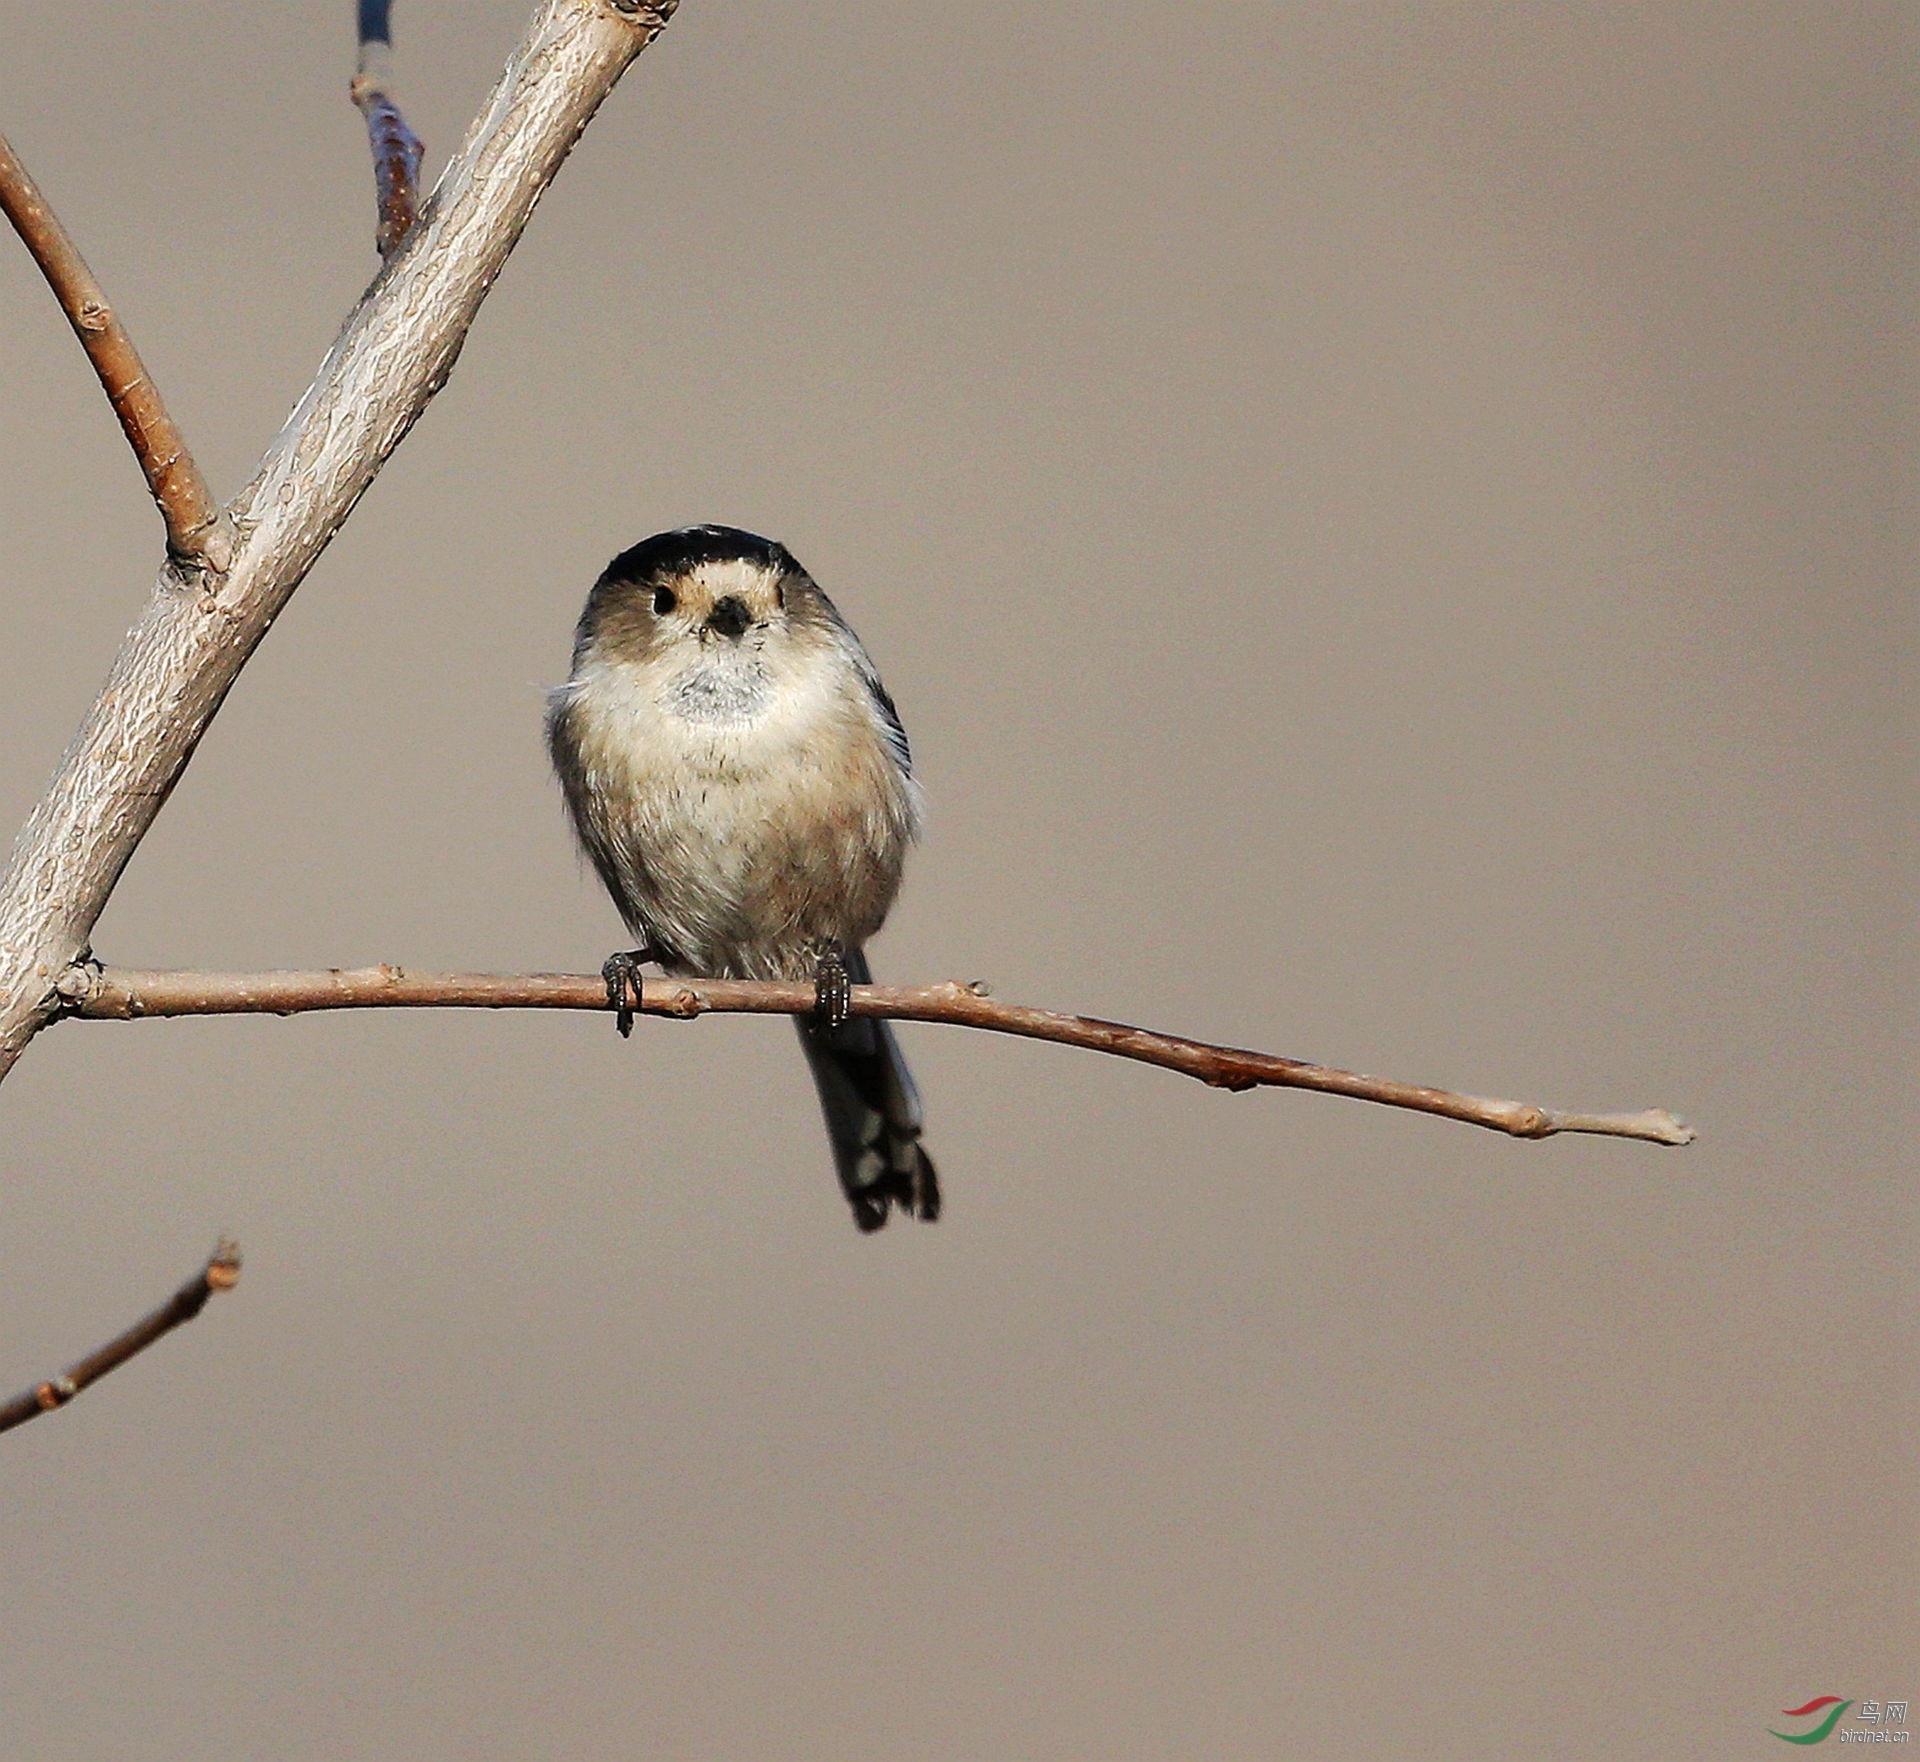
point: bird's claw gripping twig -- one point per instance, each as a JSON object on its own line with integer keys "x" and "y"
{"x": 622, "y": 974}
{"x": 832, "y": 991}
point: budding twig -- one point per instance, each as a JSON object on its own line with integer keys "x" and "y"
{"x": 396, "y": 148}
{"x": 221, "y": 1273}
{"x": 122, "y": 994}
{"x": 196, "y": 531}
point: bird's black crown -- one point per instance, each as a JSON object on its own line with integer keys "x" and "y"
{"x": 669, "y": 554}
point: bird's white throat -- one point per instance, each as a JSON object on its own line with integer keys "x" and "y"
{"x": 719, "y": 688}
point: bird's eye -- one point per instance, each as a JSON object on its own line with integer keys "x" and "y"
{"x": 664, "y": 600}
{"x": 779, "y": 596}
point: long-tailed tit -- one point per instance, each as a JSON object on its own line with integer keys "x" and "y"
{"x": 740, "y": 778}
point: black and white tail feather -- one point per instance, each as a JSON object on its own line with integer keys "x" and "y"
{"x": 873, "y": 1113}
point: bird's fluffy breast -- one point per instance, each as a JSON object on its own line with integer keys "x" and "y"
{"x": 751, "y": 807}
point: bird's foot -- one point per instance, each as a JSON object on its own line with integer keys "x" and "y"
{"x": 832, "y": 991}
{"x": 622, "y": 974}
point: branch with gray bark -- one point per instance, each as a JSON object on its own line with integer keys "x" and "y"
{"x": 203, "y": 621}
{"x": 117, "y": 994}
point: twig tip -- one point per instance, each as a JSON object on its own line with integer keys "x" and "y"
{"x": 1673, "y": 1129}
{"x": 223, "y": 1265}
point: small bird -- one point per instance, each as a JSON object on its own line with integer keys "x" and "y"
{"x": 741, "y": 780}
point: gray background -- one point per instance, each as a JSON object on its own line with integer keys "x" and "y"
{"x": 1381, "y": 523}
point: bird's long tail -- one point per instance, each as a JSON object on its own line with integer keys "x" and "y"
{"x": 873, "y": 1114}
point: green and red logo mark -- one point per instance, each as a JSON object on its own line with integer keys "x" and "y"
{"x": 1820, "y": 1732}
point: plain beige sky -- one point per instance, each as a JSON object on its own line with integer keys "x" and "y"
{"x": 1381, "y": 523}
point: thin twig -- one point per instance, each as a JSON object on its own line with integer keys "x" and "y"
{"x": 122, "y": 994}
{"x": 221, "y": 1273}
{"x": 396, "y": 148}
{"x": 195, "y": 530}
{"x": 178, "y": 662}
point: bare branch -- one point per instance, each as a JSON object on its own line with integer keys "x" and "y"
{"x": 395, "y": 352}
{"x": 396, "y": 148}
{"x": 186, "y": 504}
{"x": 123, "y": 995}
{"x": 221, "y": 1273}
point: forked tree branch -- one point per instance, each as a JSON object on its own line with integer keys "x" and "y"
{"x": 194, "y": 527}
{"x": 396, "y": 350}
{"x": 396, "y": 148}
{"x": 123, "y": 995}
{"x": 202, "y": 624}
{"x": 221, "y": 1273}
